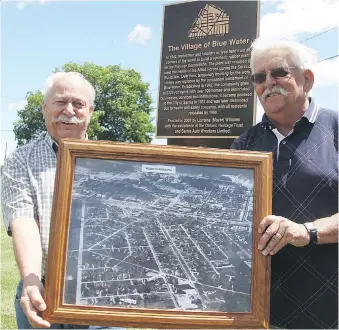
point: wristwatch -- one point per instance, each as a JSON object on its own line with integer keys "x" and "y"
{"x": 313, "y": 231}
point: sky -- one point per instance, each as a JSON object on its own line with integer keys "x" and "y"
{"x": 39, "y": 36}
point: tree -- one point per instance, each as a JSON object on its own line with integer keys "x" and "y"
{"x": 122, "y": 106}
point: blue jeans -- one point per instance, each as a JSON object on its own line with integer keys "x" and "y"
{"x": 22, "y": 321}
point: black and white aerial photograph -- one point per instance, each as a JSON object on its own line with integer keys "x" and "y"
{"x": 160, "y": 236}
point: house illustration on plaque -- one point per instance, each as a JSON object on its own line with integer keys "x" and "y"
{"x": 211, "y": 21}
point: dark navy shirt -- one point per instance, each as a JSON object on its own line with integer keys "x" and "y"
{"x": 304, "y": 280}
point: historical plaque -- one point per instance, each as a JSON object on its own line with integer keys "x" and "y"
{"x": 204, "y": 85}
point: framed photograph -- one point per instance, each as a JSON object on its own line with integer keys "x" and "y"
{"x": 151, "y": 236}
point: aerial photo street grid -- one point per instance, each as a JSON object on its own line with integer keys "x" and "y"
{"x": 160, "y": 236}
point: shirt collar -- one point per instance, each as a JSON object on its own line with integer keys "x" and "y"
{"x": 54, "y": 144}
{"x": 50, "y": 141}
{"x": 310, "y": 114}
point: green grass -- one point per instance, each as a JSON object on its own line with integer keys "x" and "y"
{"x": 9, "y": 281}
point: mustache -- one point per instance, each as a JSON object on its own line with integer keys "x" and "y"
{"x": 274, "y": 89}
{"x": 68, "y": 120}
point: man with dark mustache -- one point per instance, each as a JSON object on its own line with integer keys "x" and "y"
{"x": 302, "y": 233}
{"x": 28, "y": 185}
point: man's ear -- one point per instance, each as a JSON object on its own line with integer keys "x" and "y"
{"x": 91, "y": 109}
{"x": 308, "y": 80}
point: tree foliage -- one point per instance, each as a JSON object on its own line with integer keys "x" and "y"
{"x": 122, "y": 106}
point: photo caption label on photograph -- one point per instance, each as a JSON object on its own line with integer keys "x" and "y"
{"x": 159, "y": 169}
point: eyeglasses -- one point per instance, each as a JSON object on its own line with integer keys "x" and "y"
{"x": 277, "y": 73}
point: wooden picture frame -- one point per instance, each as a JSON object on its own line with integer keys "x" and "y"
{"x": 156, "y": 236}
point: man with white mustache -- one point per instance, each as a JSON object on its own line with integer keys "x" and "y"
{"x": 68, "y": 107}
{"x": 302, "y": 234}
{"x": 27, "y": 190}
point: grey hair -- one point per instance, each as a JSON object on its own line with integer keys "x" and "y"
{"x": 54, "y": 77}
{"x": 304, "y": 58}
